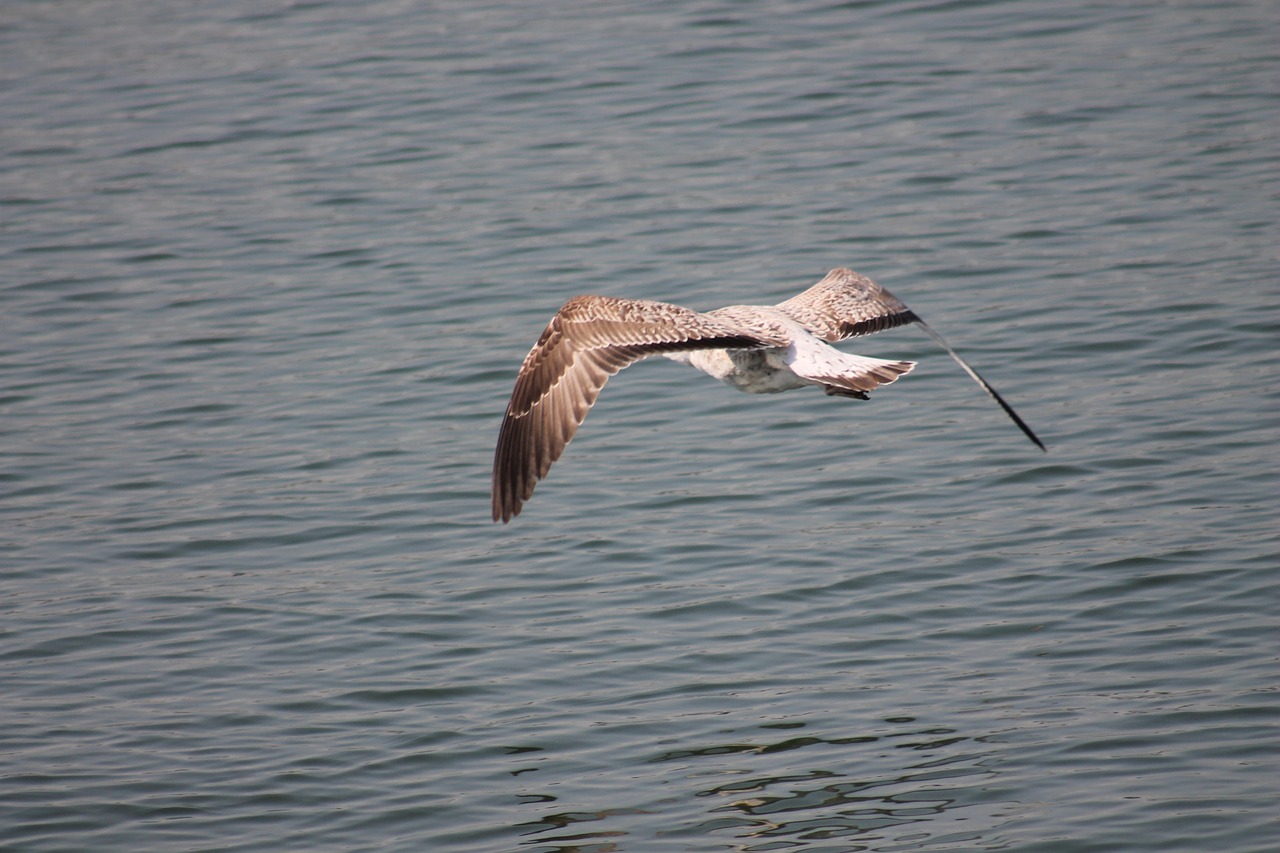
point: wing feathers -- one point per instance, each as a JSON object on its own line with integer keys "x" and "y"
{"x": 983, "y": 384}
{"x": 845, "y": 304}
{"x": 587, "y": 341}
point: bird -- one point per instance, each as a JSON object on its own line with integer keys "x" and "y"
{"x": 758, "y": 349}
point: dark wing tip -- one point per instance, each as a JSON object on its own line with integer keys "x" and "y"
{"x": 982, "y": 383}
{"x": 1008, "y": 410}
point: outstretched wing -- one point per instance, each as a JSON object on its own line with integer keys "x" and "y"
{"x": 845, "y": 304}
{"x": 587, "y": 341}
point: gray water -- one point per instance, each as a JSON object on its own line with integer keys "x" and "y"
{"x": 269, "y": 270}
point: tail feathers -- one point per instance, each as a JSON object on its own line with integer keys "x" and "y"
{"x": 842, "y": 371}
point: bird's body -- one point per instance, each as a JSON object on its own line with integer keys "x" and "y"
{"x": 796, "y": 358}
{"x": 759, "y": 349}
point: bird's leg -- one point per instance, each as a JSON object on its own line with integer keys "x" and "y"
{"x": 833, "y": 391}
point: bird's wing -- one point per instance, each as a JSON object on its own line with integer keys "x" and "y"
{"x": 845, "y": 304}
{"x": 587, "y": 341}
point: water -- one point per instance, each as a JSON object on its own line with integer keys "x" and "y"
{"x": 269, "y": 271}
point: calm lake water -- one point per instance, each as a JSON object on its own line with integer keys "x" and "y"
{"x": 269, "y": 270}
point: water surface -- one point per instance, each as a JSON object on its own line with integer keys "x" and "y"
{"x": 269, "y": 272}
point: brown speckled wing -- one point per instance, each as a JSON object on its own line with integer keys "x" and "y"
{"x": 587, "y": 341}
{"x": 845, "y": 304}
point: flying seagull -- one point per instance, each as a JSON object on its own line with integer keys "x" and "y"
{"x": 759, "y": 349}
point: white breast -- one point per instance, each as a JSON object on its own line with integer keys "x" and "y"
{"x": 752, "y": 371}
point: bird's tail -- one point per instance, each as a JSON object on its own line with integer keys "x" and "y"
{"x": 844, "y": 371}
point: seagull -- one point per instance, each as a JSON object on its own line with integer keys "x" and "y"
{"x": 759, "y": 349}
